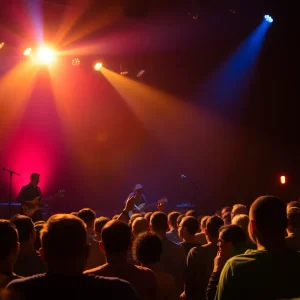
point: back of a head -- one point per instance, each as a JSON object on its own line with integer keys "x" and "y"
{"x": 179, "y": 218}
{"x": 74, "y": 213}
{"x": 241, "y": 220}
{"x": 99, "y": 224}
{"x": 213, "y": 225}
{"x": 239, "y": 209}
{"x": 38, "y": 228}
{"x": 87, "y": 215}
{"x": 172, "y": 218}
{"x": 159, "y": 222}
{"x": 191, "y": 224}
{"x": 8, "y": 238}
{"x": 294, "y": 217}
{"x": 293, "y": 204}
{"x": 234, "y": 234}
{"x": 148, "y": 215}
{"x": 34, "y": 176}
{"x": 226, "y": 209}
{"x": 116, "y": 237}
{"x": 64, "y": 239}
{"x": 24, "y": 226}
{"x": 204, "y": 221}
{"x": 147, "y": 248}
{"x": 191, "y": 213}
{"x": 269, "y": 215}
{"x": 140, "y": 225}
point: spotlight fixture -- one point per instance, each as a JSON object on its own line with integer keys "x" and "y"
{"x": 2, "y": 45}
{"x": 27, "y": 51}
{"x": 98, "y": 66}
{"x": 268, "y": 18}
{"x": 76, "y": 62}
{"x": 282, "y": 179}
{"x": 45, "y": 55}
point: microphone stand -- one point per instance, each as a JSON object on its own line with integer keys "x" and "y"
{"x": 11, "y": 173}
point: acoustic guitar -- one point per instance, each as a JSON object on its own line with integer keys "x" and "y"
{"x": 31, "y": 206}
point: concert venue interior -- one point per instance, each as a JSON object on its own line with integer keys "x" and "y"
{"x": 196, "y": 100}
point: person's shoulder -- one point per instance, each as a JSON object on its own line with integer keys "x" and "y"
{"x": 97, "y": 270}
{"x": 34, "y": 280}
{"x": 143, "y": 270}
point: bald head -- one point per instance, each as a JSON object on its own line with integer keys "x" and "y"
{"x": 139, "y": 226}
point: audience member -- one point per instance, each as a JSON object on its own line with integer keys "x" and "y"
{"x": 187, "y": 230}
{"x": 29, "y": 261}
{"x": 191, "y": 213}
{"x": 74, "y": 213}
{"x": 226, "y": 209}
{"x": 37, "y": 243}
{"x": 200, "y": 261}
{"x": 8, "y": 252}
{"x": 293, "y": 239}
{"x": 147, "y": 251}
{"x": 148, "y": 215}
{"x": 172, "y": 234}
{"x": 98, "y": 226}
{"x": 179, "y": 218}
{"x": 65, "y": 251}
{"x": 227, "y": 218}
{"x": 271, "y": 271}
{"x": 139, "y": 225}
{"x": 238, "y": 209}
{"x": 88, "y": 216}
{"x": 292, "y": 204}
{"x": 116, "y": 242}
{"x": 200, "y": 237}
{"x": 232, "y": 241}
{"x": 173, "y": 259}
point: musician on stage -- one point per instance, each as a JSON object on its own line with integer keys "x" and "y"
{"x": 140, "y": 201}
{"x": 28, "y": 193}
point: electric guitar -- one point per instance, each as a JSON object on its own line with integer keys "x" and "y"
{"x": 142, "y": 207}
{"x": 31, "y": 206}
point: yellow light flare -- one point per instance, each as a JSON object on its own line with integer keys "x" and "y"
{"x": 283, "y": 179}
{"x": 45, "y": 55}
{"x": 97, "y": 66}
{"x": 27, "y": 51}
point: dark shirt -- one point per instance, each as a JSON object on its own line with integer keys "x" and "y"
{"x": 212, "y": 286}
{"x": 29, "y": 192}
{"x": 51, "y": 286}
{"x": 187, "y": 246}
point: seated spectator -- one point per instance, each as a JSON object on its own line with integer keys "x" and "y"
{"x": 139, "y": 225}
{"x": 65, "y": 251}
{"x": 96, "y": 257}
{"x": 147, "y": 251}
{"x": 98, "y": 226}
{"x": 187, "y": 230}
{"x": 8, "y": 252}
{"x": 116, "y": 242}
{"x": 201, "y": 237}
{"x": 172, "y": 234}
{"x": 226, "y": 209}
{"x": 232, "y": 241}
{"x": 200, "y": 261}
{"x": 293, "y": 239}
{"x": 238, "y": 209}
{"x": 271, "y": 271}
{"x": 227, "y": 218}
{"x": 29, "y": 261}
{"x": 147, "y": 216}
{"x": 243, "y": 221}
{"x": 191, "y": 213}
{"x": 173, "y": 258}
{"x": 292, "y": 204}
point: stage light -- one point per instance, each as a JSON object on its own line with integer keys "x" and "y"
{"x": 45, "y": 55}
{"x": 268, "y": 18}
{"x": 282, "y": 179}
{"x": 76, "y": 62}
{"x": 2, "y": 45}
{"x": 140, "y": 73}
{"x": 98, "y": 66}
{"x": 27, "y": 51}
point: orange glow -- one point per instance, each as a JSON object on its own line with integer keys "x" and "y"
{"x": 282, "y": 179}
{"x": 45, "y": 55}
{"x": 2, "y": 45}
{"x": 98, "y": 66}
{"x": 27, "y": 51}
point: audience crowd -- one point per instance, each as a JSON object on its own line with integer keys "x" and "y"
{"x": 235, "y": 254}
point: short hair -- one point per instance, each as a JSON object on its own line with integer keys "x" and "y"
{"x": 64, "y": 239}
{"x": 241, "y": 220}
{"x": 132, "y": 218}
{"x": 24, "y": 226}
{"x": 74, "y": 213}
{"x": 293, "y": 204}
{"x": 191, "y": 224}
{"x": 8, "y": 237}
{"x": 172, "y": 218}
{"x": 159, "y": 221}
{"x": 87, "y": 215}
{"x": 179, "y": 218}
{"x": 239, "y": 209}
{"x": 226, "y": 209}
{"x": 148, "y": 215}
{"x": 147, "y": 248}
{"x": 269, "y": 214}
{"x": 115, "y": 217}
{"x": 294, "y": 217}
{"x": 234, "y": 234}
{"x": 116, "y": 237}
{"x": 99, "y": 223}
{"x": 191, "y": 213}
{"x": 213, "y": 225}
{"x": 204, "y": 221}
{"x": 34, "y": 176}
{"x": 140, "y": 225}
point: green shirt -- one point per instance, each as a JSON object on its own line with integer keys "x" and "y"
{"x": 260, "y": 274}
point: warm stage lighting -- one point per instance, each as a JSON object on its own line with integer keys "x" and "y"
{"x": 98, "y": 66}
{"x": 27, "y": 51}
{"x": 2, "y": 45}
{"x": 268, "y": 18}
{"x": 45, "y": 55}
{"x": 282, "y": 179}
{"x": 76, "y": 62}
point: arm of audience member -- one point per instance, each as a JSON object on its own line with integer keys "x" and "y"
{"x": 212, "y": 286}
{"x": 124, "y": 216}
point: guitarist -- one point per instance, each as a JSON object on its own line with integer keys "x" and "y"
{"x": 140, "y": 201}
{"x": 29, "y": 192}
